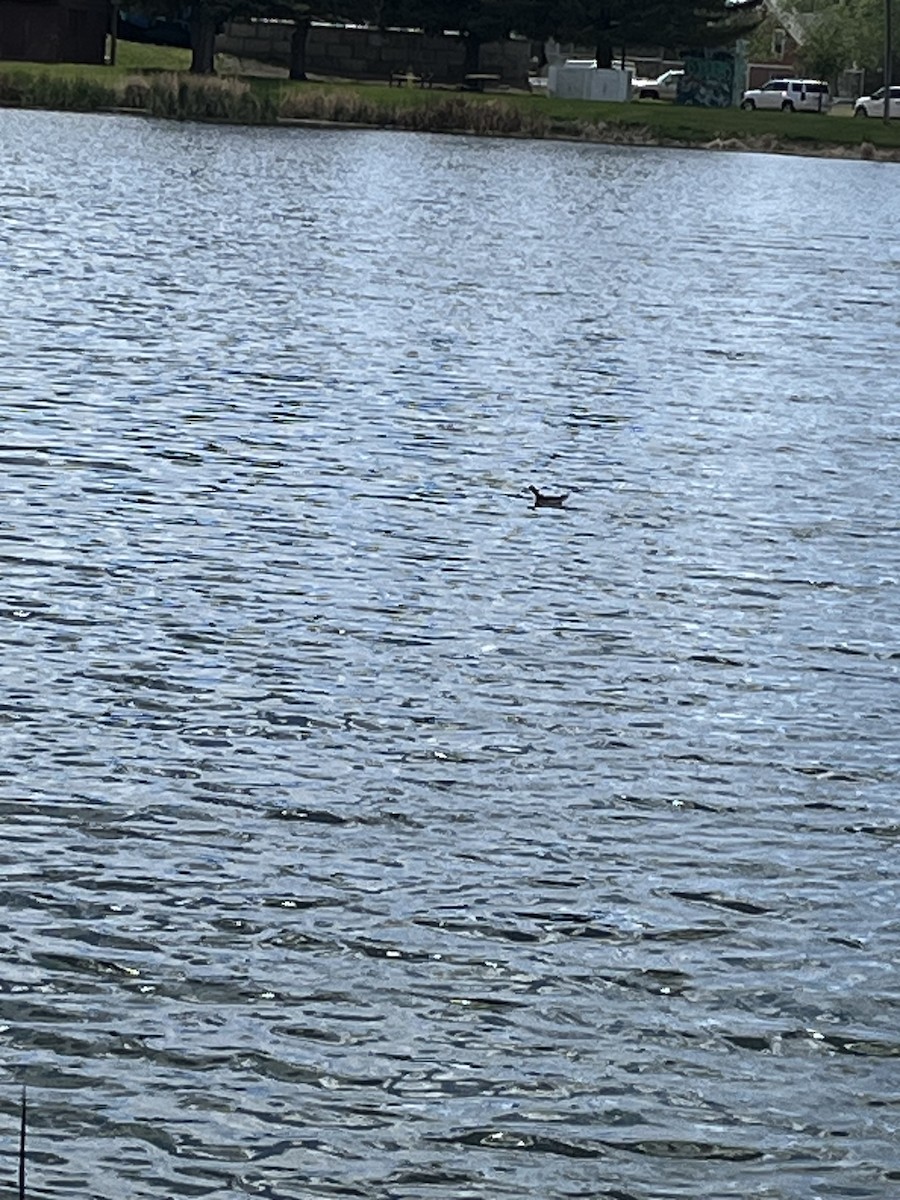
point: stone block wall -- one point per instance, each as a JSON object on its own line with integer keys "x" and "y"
{"x": 372, "y": 53}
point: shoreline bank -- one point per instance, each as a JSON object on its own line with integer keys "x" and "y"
{"x": 599, "y": 135}
{"x": 764, "y": 144}
{"x": 247, "y": 100}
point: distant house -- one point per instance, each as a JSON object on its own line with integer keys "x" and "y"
{"x": 54, "y": 30}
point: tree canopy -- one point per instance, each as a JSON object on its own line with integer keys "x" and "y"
{"x": 605, "y": 24}
{"x": 618, "y": 24}
{"x": 474, "y": 21}
{"x": 832, "y": 37}
{"x": 845, "y": 35}
{"x": 206, "y": 18}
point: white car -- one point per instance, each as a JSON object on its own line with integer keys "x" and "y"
{"x": 873, "y": 106}
{"x": 790, "y": 95}
{"x": 664, "y": 87}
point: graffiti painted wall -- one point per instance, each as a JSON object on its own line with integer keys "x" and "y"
{"x": 708, "y": 80}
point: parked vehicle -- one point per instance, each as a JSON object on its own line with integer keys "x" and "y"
{"x": 873, "y": 106}
{"x": 790, "y": 95}
{"x": 664, "y": 87}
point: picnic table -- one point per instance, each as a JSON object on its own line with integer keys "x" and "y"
{"x": 409, "y": 79}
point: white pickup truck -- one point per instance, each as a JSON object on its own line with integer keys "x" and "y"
{"x": 664, "y": 87}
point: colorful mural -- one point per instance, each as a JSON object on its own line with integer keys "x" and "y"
{"x": 708, "y": 80}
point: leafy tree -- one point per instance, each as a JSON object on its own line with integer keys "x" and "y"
{"x": 849, "y": 33}
{"x": 474, "y": 21}
{"x": 206, "y": 18}
{"x": 827, "y": 48}
{"x": 304, "y": 12}
{"x": 611, "y": 24}
{"x": 605, "y": 23}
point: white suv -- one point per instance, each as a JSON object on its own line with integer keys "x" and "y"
{"x": 790, "y": 95}
{"x": 873, "y": 106}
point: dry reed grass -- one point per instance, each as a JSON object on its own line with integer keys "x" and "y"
{"x": 21, "y": 89}
{"x": 182, "y": 97}
{"x": 436, "y": 113}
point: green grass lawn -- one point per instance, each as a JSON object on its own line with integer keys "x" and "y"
{"x": 538, "y": 112}
{"x": 131, "y": 57}
{"x": 140, "y": 56}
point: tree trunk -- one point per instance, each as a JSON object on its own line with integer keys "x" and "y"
{"x": 604, "y": 50}
{"x": 203, "y": 45}
{"x": 472, "y": 48}
{"x": 113, "y": 32}
{"x": 298, "y": 48}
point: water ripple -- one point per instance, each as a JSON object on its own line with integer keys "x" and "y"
{"x": 368, "y": 832}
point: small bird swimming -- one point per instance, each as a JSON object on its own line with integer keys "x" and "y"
{"x": 543, "y": 500}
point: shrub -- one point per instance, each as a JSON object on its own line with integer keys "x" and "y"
{"x": 56, "y": 91}
{"x": 199, "y": 98}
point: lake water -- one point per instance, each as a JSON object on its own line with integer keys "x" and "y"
{"x": 368, "y": 832}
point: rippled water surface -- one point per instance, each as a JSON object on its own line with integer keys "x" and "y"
{"x": 367, "y": 831}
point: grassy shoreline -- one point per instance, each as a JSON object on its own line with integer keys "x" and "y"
{"x": 153, "y": 81}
